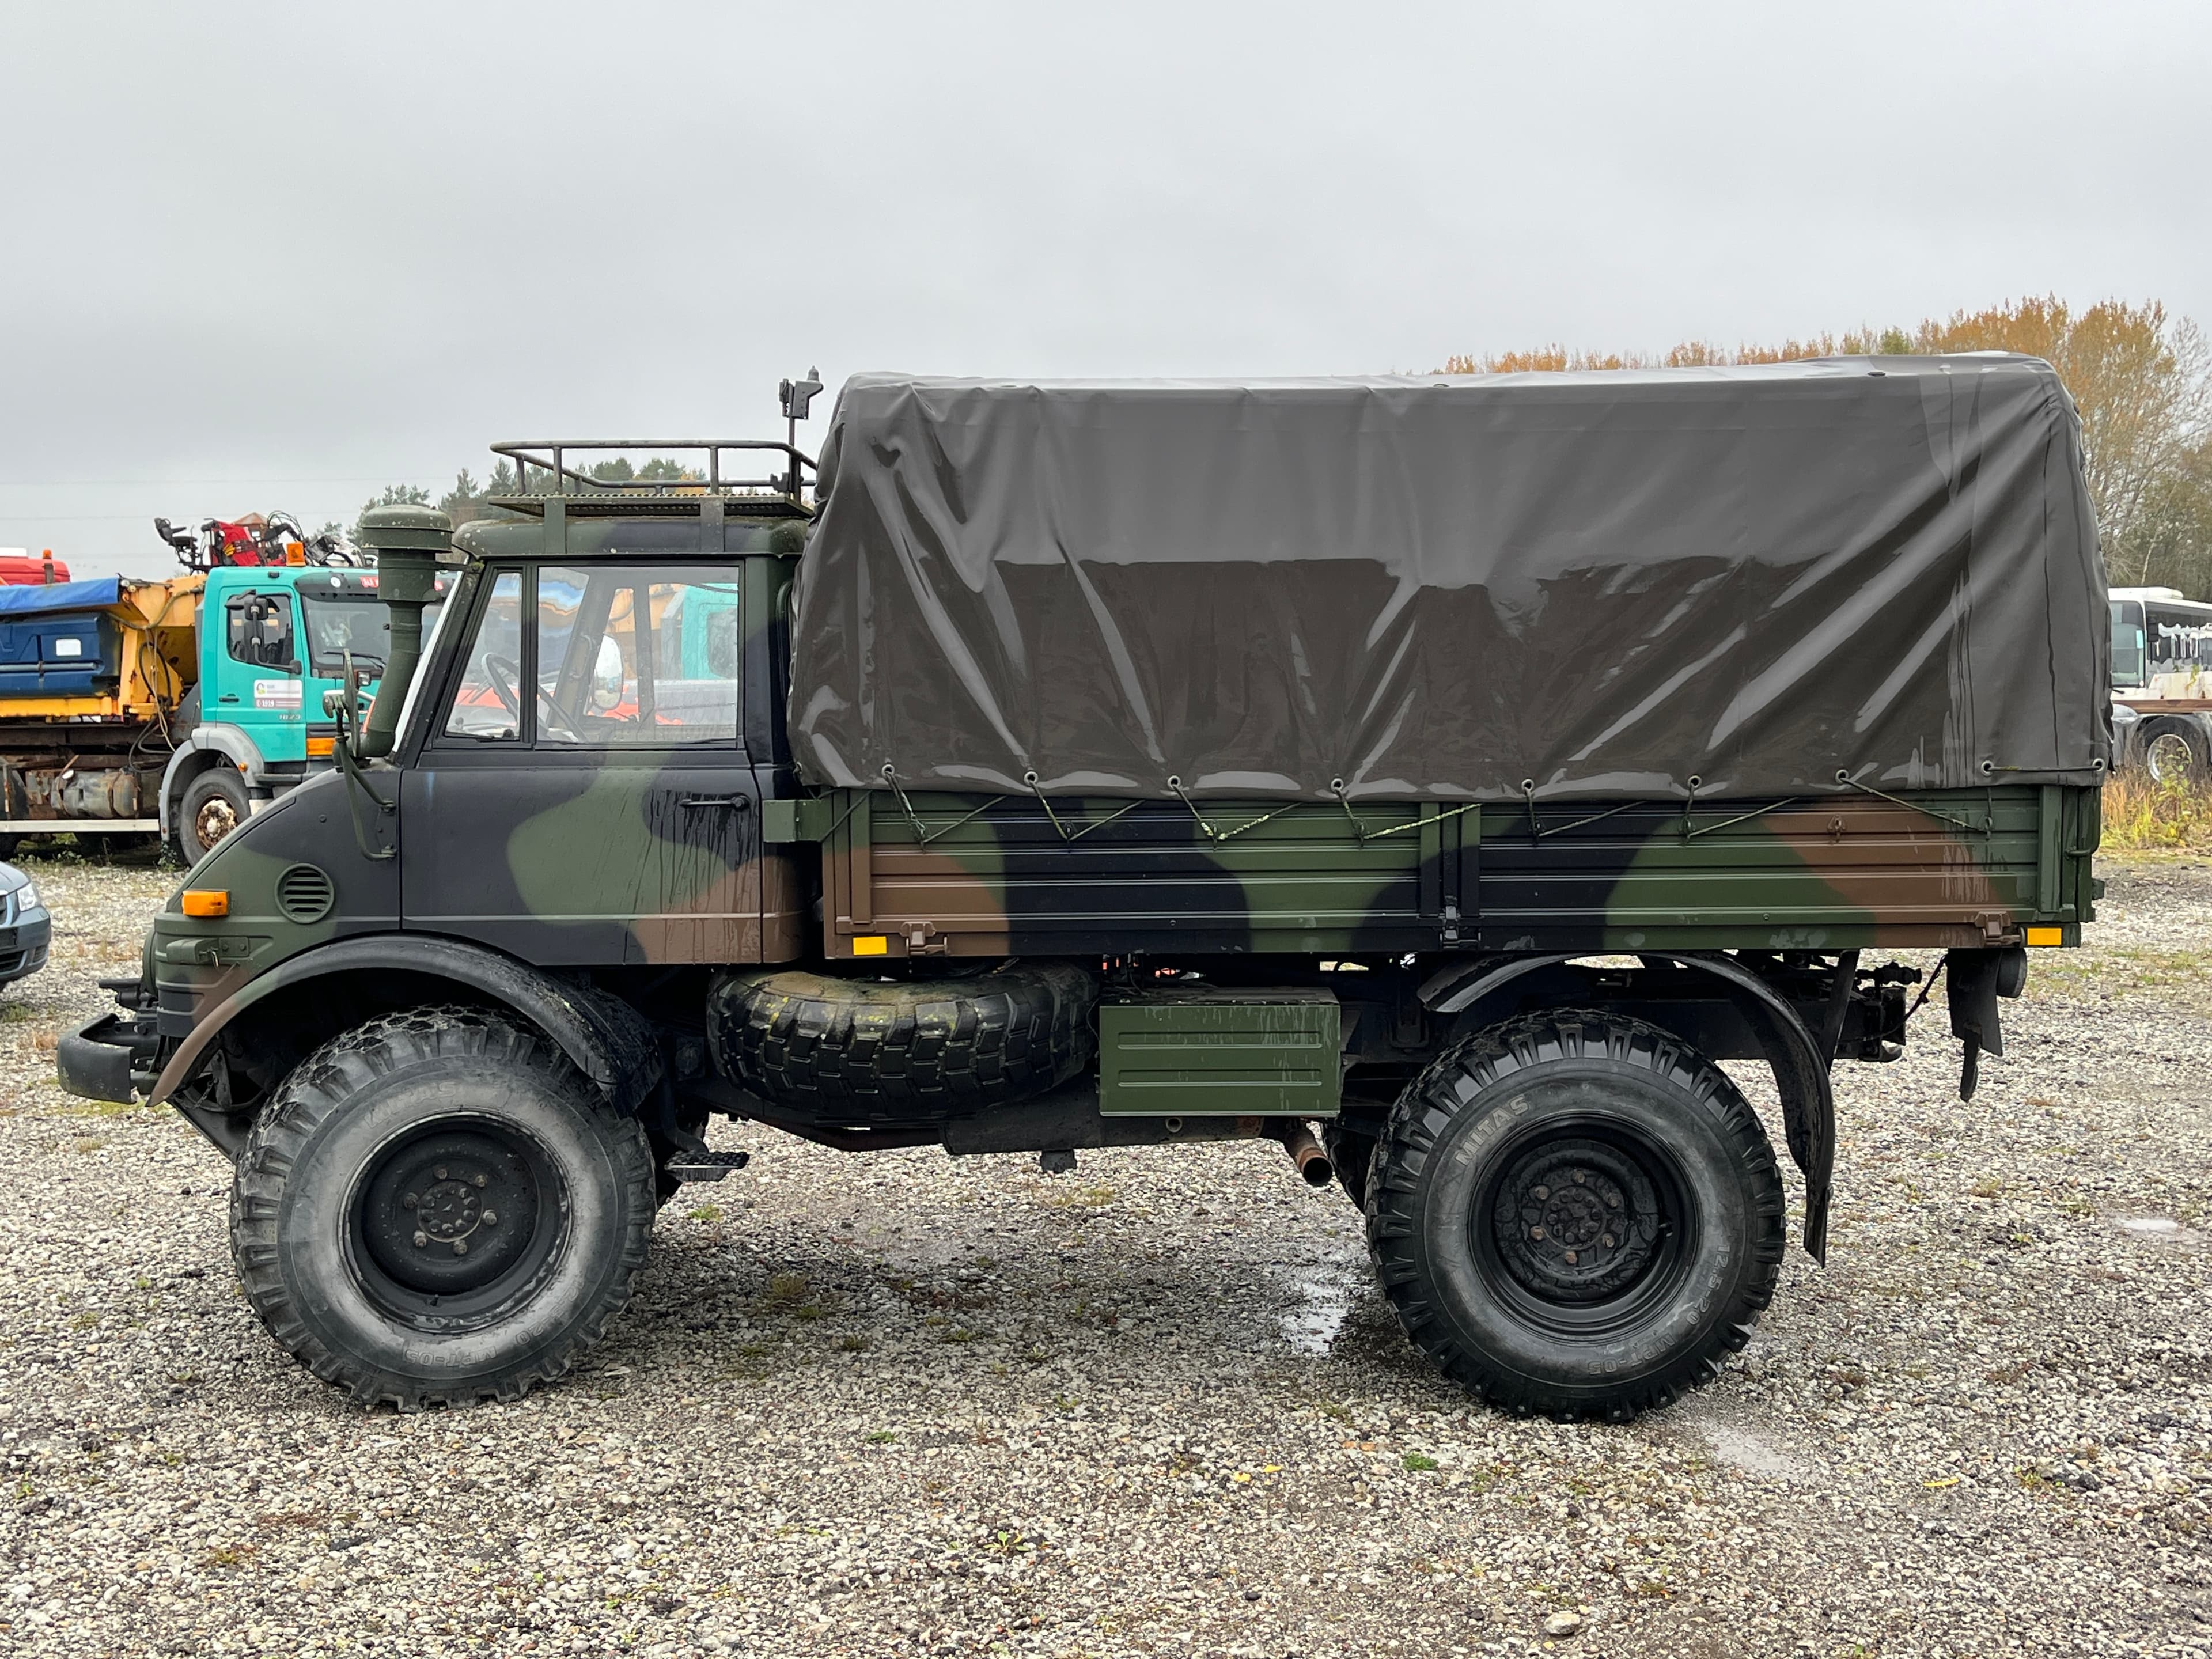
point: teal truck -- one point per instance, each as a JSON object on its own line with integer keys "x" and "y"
{"x": 175, "y": 708}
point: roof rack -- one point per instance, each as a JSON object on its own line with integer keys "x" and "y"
{"x": 779, "y": 493}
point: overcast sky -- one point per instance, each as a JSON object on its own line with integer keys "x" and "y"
{"x": 255, "y": 256}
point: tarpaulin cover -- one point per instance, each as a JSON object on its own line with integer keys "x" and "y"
{"x": 36, "y": 598}
{"x": 1604, "y": 584}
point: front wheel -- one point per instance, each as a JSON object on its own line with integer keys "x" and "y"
{"x": 439, "y": 1207}
{"x": 1574, "y": 1213}
{"x": 213, "y": 804}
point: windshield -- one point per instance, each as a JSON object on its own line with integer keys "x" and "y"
{"x": 339, "y": 624}
{"x": 2127, "y": 643}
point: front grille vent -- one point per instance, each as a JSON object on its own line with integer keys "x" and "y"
{"x": 304, "y": 893}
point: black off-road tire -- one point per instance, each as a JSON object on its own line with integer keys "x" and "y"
{"x": 903, "y": 1049}
{"x": 497, "y": 1119}
{"x": 1574, "y": 1213}
{"x": 215, "y": 799}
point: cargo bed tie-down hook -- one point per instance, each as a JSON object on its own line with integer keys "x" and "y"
{"x": 1207, "y": 829}
{"x": 1052, "y": 817}
{"x": 1362, "y": 835}
{"x": 923, "y": 837}
{"x": 1848, "y": 782}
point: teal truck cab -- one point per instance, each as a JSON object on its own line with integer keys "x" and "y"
{"x": 175, "y": 708}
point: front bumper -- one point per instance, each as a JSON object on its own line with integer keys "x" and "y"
{"x": 110, "y": 1058}
{"x": 23, "y": 946}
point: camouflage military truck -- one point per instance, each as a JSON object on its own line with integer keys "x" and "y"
{"x": 1439, "y": 777}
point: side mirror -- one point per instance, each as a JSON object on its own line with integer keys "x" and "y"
{"x": 607, "y": 676}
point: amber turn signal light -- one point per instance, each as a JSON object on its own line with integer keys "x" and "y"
{"x": 320, "y": 748}
{"x": 206, "y": 903}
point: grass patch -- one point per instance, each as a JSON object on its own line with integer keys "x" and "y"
{"x": 1418, "y": 1463}
{"x": 2141, "y": 816}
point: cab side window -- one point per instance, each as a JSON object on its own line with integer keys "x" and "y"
{"x": 487, "y": 705}
{"x": 257, "y": 629}
{"x": 637, "y": 656}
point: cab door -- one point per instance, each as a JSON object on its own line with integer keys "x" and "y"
{"x": 257, "y": 681}
{"x": 584, "y": 798}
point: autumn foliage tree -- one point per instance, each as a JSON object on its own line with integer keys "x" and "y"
{"x": 2141, "y": 380}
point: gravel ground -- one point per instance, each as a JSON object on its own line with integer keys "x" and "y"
{"x": 914, "y": 1405}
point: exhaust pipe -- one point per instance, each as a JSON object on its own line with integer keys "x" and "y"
{"x": 1306, "y": 1153}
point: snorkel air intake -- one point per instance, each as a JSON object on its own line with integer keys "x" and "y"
{"x": 407, "y": 541}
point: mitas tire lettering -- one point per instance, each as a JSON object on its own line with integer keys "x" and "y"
{"x": 1576, "y": 1214}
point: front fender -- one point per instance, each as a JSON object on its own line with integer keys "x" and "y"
{"x": 605, "y": 1038}
{"x": 209, "y": 738}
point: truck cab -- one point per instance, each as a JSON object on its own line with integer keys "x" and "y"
{"x": 274, "y": 642}
{"x": 2162, "y": 677}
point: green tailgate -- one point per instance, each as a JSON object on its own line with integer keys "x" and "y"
{"x": 1219, "y": 1053}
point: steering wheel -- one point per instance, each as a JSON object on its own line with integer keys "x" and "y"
{"x": 504, "y": 675}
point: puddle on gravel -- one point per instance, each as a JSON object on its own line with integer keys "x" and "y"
{"x": 2154, "y": 1226}
{"x": 1320, "y": 1296}
{"x": 1740, "y": 1447}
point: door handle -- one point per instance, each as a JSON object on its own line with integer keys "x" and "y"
{"x": 729, "y": 803}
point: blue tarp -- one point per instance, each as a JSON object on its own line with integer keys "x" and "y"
{"x": 60, "y": 596}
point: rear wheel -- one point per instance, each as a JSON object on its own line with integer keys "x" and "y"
{"x": 213, "y": 804}
{"x": 2175, "y": 754}
{"x": 438, "y": 1207}
{"x": 1574, "y": 1213}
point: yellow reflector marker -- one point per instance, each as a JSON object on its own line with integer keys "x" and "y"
{"x": 2046, "y": 936}
{"x": 319, "y": 747}
{"x": 206, "y": 902}
{"x": 871, "y": 945}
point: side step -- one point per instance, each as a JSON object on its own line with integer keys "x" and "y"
{"x": 706, "y": 1165}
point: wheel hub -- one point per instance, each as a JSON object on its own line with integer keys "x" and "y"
{"x": 215, "y": 820}
{"x": 2169, "y": 757}
{"x": 450, "y": 1212}
{"x": 1576, "y": 1221}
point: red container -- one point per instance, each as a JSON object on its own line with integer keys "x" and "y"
{"x": 20, "y": 570}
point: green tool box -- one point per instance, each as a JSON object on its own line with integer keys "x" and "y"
{"x": 1209, "y": 1051}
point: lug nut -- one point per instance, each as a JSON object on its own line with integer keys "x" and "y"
{"x": 408, "y": 1202}
{"x": 1535, "y": 1232}
{"x": 480, "y": 1180}
{"x": 460, "y": 1247}
{"x": 1578, "y": 1177}
{"x": 421, "y": 1239}
{"x": 1573, "y": 1256}
{"x": 1613, "y": 1200}
{"x": 439, "y": 1172}
{"x": 491, "y": 1219}
{"x": 1540, "y": 1193}
{"x": 1605, "y": 1239}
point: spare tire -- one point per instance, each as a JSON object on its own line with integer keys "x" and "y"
{"x": 856, "y": 1050}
